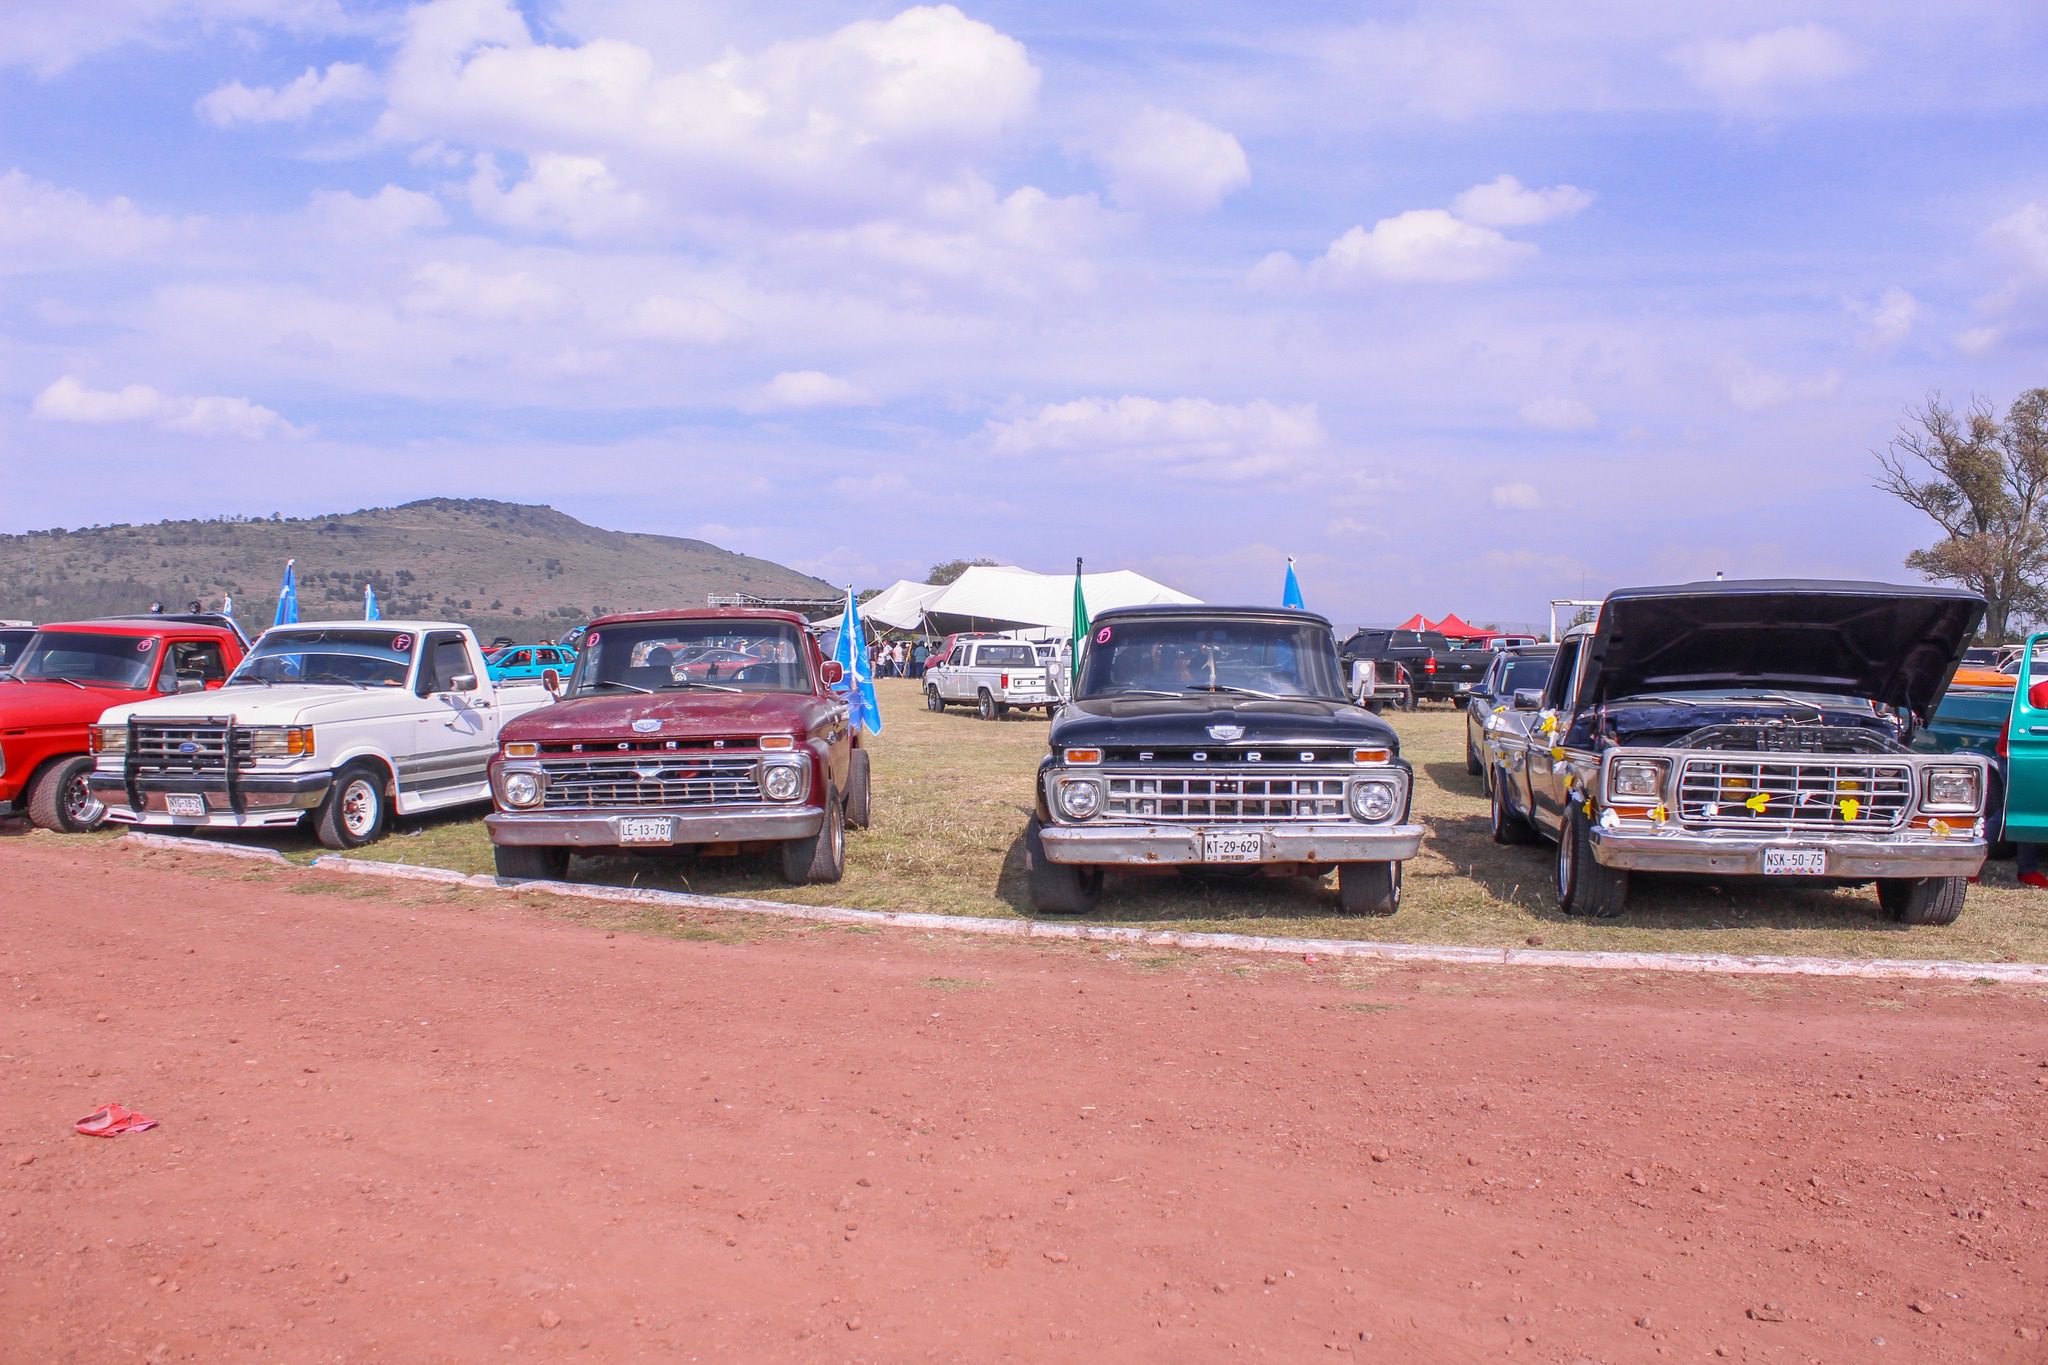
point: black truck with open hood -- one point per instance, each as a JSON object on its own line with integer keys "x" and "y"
{"x": 1753, "y": 728}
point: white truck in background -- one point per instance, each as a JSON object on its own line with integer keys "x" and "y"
{"x": 993, "y": 676}
{"x": 342, "y": 721}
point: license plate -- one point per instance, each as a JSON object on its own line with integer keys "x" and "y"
{"x": 185, "y": 805}
{"x": 1232, "y": 848}
{"x": 647, "y": 830}
{"x": 1795, "y": 862}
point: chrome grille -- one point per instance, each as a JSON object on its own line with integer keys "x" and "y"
{"x": 650, "y": 779}
{"x": 1243, "y": 796}
{"x": 160, "y": 746}
{"x": 1718, "y": 792}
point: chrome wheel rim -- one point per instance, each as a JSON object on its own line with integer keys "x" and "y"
{"x": 1567, "y": 855}
{"x": 81, "y": 807}
{"x": 359, "y": 809}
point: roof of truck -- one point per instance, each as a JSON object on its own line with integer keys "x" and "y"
{"x": 704, "y": 614}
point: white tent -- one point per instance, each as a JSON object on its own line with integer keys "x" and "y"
{"x": 1008, "y": 598}
{"x": 901, "y": 605}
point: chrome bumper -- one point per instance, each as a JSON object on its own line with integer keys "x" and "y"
{"x": 1742, "y": 855}
{"x": 1170, "y": 845}
{"x": 600, "y": 829}
{"x": 265, "y": 801}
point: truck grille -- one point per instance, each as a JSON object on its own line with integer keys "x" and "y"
{"x": 677, "y": 779}
{"x": 186, "y": 746}
{"x": 1239, "y": 797}
{"x": 1726, "y": 792}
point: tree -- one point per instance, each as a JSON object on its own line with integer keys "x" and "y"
{"x": 951, "y": 570}
{"x": 1984, "y": 482}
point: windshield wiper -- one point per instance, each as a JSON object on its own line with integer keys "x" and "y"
{"x": 1142, "y": 692}
{"x": 1234, "y": 691}
{"x": 331, "y": 678}
{"x": 59, "y": 677}
{"x": 688, "y": 683}
{"x": 239, "y": 679}
{"x": 1658, "y": 696}
{"x": 614, "y": 682}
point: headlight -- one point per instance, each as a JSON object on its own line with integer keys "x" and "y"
{"x": 782, "y": 782}
{"x": 108, "y": 739}
{"x": 1374, "y": 801}
{"x": 1079, "y": 800}
{"x": 1640, "y": 779}
{"x": 281, "y": 741}
{"x": 522, "y": 789}
{"x": 1952, "y": 788}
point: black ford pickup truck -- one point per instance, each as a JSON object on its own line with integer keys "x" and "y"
{"x": 1436, "y": 671}
{"x": 1202, "y": 736}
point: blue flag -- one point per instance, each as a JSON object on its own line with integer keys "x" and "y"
{"x": 370, "y": 612}
{"x": 1290, "y": 596}
{"x": 288, "y": 597}
{"x": 852, "y": 655}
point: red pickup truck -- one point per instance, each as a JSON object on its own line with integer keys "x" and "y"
{"x": 66, "y": 675}
{"x": 647, "y": 750}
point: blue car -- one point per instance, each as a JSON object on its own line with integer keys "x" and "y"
{"x": 546, "y": 664}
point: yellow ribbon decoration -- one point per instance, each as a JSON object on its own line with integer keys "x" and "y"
{"x": 1659, "y": 814}
{"x": 1850, "y": 805}
{"x": 1938, "y": 828}
{"x": 1589, "y": 807}
{"x": 1557, "y": 753}
{"x": 1759, "y": 803}
{"x": 1549, "y": 725}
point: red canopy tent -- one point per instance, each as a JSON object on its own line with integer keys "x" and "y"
{"x": 1415, "y": 622}
{"x": 1458, "y": 629}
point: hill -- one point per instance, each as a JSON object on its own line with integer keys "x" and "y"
{"x": 527, "y": 572}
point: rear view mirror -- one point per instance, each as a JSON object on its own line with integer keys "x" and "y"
{"x": 1528, "y": 699}
{"x": 833, "y": 673}
{"x": 462, "y": 682}
{"x": 191, "y": 682}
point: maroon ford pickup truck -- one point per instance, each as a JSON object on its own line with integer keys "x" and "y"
{"x": 644, "y": 752}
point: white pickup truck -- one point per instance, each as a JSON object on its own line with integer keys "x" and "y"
{"x": 992, "y": 676}
{"x": 345, "y": 720}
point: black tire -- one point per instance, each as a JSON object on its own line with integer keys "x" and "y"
{"x": 1002, "y": 710}
{"x": 1584, "y": 887}
{"x": 357, "y": 808}
{"x": 59, "y": 799}
{"x": 1058, "y": 888}
{"x": 1472, "y": 763}
{"x": 932, "y": 700}
{"x": 985, "y": 705}
{"x": 1369, "y": 888}
{"x": 1507, "y": 826}
{"x": 819, "y": 859}
{"x": 531, "y": 863}
{"x": 858, "y": 811}
{"x": 1921, "y": 900}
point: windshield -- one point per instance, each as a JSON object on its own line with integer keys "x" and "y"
{"x": 1719, "y": 696}
{"x": 1180, "y": 654}
{"x": 659, "y": 656}
{"x": 12, "y": 642}
{"x": 1524, "y": 673}
{"x": 1002, "y": 656}
{"x": 328, "y": 658}
{"x": 121, "y": 661}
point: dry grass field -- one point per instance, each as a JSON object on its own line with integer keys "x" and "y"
{"x": 952, "y": 794}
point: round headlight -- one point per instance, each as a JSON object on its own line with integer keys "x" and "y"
{"x": 1372, "y": 801}
{"x": 522, "y": 789}
{"x": 1079, "y": 800}
{"x": 782, "y": 782}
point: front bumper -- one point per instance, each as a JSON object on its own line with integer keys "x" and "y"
{"x": 257, "y": 800}
{"x": 1179, "y": 845}
{"x": 600, "y": 828}
{"x": 1742, "y": 855}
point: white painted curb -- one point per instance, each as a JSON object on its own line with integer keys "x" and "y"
{"x": 2023, "y": 973}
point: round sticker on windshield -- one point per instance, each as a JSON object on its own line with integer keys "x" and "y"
{"x": 590, "y": 640}
{"x": 1102, "y": 636}
{"x": 144, "y": 645}
{"x": 401, "y": 644}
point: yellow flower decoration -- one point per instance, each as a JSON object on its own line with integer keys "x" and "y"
{"x": 1549, "y": 726}
{"x": 1557, "y": 753}
{"x": 1759, "y": 803}
{"x": 1938, "y": 828}
{"x": 1850, "y": 805}
{"x": 1659, "y": 814}
{"x": 1588, "y": 807}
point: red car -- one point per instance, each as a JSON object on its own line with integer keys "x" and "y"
{"x": 67, "y": 675}
{"x": 649, "y": 751}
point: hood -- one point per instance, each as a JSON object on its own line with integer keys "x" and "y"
{"x": 35, "y": 705}
{"x": 256, "y": 705}
{"x": 1881, "y": 642}
{"x": 1119, "y": 722}
{"x": 683, "y": 715}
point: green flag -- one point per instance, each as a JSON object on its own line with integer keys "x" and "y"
{"x": 1080, "y": 629}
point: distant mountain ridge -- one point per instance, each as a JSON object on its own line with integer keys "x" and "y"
{"x": 506, "y": 568}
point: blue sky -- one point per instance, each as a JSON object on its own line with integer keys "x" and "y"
{"x": 1465, "y": 306}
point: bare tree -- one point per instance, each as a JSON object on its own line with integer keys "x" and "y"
{"x": 1984, "y": 482}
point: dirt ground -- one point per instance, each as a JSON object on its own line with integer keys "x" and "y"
{"x": 418, "y": 1124}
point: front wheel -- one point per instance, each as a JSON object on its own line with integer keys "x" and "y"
{"x": 1057, "y": 888}
{"x": 1369, "y": 888}
{"x": 818, "y": 859}
{"x": 1584, "y": 886}
{"x": 60, "y": 800}
{"x": 1472, "y": 764}
{"x": 355, "y": 811}
{"x": 1507, "y": 826}
{"x": 531, "y": 863}
{"x": 1921, "y": 900}
{"x": 858, "y": 811}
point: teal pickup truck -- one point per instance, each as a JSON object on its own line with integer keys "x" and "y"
{"x": 1973, "y": 718}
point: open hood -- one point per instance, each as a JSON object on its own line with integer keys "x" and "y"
{"x": 1880, "y": 642}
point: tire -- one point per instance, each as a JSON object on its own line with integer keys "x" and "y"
{"x": 1507, "y": 826}
{"x": 356, "y": 810}
{"x": 986, "y": 706}
{"x": 932, "y": 700}
{"x": 1369, "y": 888}
{"x": 531, "y": 863}
{"x": 1472, "y": 764}
{"x": 60, "y": 800}
{"x": 1584, "y": 887}
{"x": 1921, "y": 900}
{"x": 1002, "y": 710}
{"x": 1058, "y": 888}
{"x": 858, "y": 812}
{"x": 819, "y": 859}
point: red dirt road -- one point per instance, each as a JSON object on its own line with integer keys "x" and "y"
{"x": 412, "y": 1124}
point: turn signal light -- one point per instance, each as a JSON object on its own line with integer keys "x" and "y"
{"x": 1084, "y": 755}
{"x": 522, "y": 751}
{"x": 1370, "y": 755}
{"x": 774, "y": 743}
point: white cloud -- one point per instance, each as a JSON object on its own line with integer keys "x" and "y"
{"x": 237, "y": 103}
{"x": 67, "y": 400}
{"x": 1887, "y": 319}
{"x": 1187, "y": 436}
{"x": 1167, "y": 161}
{"x": 1420, "y": 246}
{"x": 1504, "y": 202}
{"x": 1556, "y": 413}
{"x": 808, "y": 389}
{"x": 576, "y": 196}
{"x": 1751, "y": 72}
{"x": 1755, "y": 390}
{"x": 50, "y": 35}
{"x": 1517, "y": 497}
{"x": 390, "y": 213}
{"x": 1976, "y": 341}
{"x": 451, "y": 289}
{"x": 39, "y": 221}
{"x": 2021, "y": 240}
{"x": 687, "y": 321}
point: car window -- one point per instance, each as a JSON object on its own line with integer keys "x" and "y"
{"x": 518, "y": 658}
{"x": 193, "y": 658}
{"x": 1563, "y": 666}
{"x": 1007, "y": 656}
{"x": 446, "y": 660}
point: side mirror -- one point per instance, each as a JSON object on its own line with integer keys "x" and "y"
{"x": 191, "y": 682}
{"x": 833, "y": 673}
{"x": 462, "y": 682}
{"x": 1528, "y": 699}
